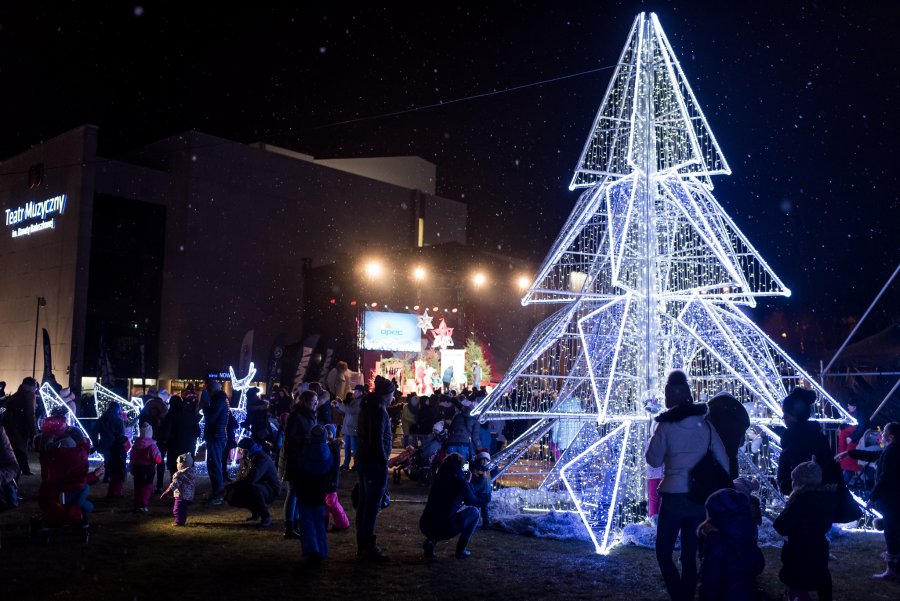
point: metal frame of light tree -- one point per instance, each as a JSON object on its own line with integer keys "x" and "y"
{"x": 651, "y": 273}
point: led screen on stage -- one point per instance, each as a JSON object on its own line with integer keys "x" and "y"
{"x": 384, "y": 331}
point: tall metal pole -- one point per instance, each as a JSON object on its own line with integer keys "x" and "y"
{"x": 41, "y": 301}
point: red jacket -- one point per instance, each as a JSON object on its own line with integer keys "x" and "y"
{"x": 848, "y": 463}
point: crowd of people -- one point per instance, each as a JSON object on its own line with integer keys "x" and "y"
{"x": 292, "y": 443}
{"x": 722, "y": 530}
{"x": 286, "y": 443}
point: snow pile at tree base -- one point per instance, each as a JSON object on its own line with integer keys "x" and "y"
{"x": 507, "y": 514}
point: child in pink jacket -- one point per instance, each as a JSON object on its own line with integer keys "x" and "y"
{"x": 145, "y": 456}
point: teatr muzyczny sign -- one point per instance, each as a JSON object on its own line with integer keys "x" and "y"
{"x": 35, "y": 216}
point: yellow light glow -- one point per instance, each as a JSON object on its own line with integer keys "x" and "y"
{"x": 523, "y": 282}
{"x": 373, "y": 269}
{"x": 479, "y": 279}
{"x": 419, "y": 273}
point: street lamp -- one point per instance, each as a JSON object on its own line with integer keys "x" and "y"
{"x": 419, "y": 273}
{"x": 373, "y": 269}
{"x": 41, "y": 302}
{"x": 523, "y": 282}
{"x": 479, "y": 279}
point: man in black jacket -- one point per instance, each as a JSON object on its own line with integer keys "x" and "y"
{"x": 257, "y": 483}
{"x": 216, "y": 421}
{"x": 373, "y": 451}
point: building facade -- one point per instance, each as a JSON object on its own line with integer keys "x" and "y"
{"x": 164, "y": 257}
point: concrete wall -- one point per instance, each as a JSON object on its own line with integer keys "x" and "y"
{"x": 49, "y": 263}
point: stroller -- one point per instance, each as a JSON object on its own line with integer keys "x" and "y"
{"x": 420, "y": 464}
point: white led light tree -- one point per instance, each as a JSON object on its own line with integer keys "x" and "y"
{"x": 650, "y": 274}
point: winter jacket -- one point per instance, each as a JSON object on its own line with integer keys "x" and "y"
{"x": 408, "y": 419}
{"x": 731, "y": 421}
{"x": 258, "y": 470}
{"x": 18, "y": 419}
{"x": 64, "y": 469}
{"x": 215, "y": 417}
{"x": 109, "y": 428}
{"x": 886, "y": 494}
{"x": 351, "y": 415}
{"x": 375, "y": 434}
{"x": 449, "y": 492}
{"x": 798, "y": 444}
{"x": 847, "y": 463}
{"x": 731, "y": 559}
{"x": 153, "y": 413}
{"x": 179, "y": 433}
{"x": 9, "y": 467}
{"x": 296, "y": 434}
{"x": 805, "y": 520}
{"x": 681, "y": 439}
{"x": 338, "y": 382}
{"x": 483, "y": 490}
{"x": 183, "y": 485}
{"x": 315, "y": 472}
{"x": 464, "y": 430}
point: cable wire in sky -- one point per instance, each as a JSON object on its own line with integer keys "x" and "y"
{"x": 466, "y": 98}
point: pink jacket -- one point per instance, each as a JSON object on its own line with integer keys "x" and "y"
{"x": 145, "y": 452}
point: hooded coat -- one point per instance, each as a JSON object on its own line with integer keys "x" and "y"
{"x": 799, "y": 443}
{"x": 448, "y": 493}
{"x": 680, "y": 442}
{"x": 731, "y": 558}
{"x": 109, "y": 428}
{"x": 315, "y": 472}
{"x": 805, "y": 521}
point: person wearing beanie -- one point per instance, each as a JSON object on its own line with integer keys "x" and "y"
{"x": 182, "y": 487}
{"x": 747, "y": 486}
{"x": 805, "y": 520}
{"x": 315, "y": 471}
{"x": 464, "y": 432}
{"x": 215, "y": 434}
{"x": 145, "y": 456}
{"x": 730, "y": 557}
{"x": 375, "y": 440}
{"x": 444, "y": 516}
{"x": 300, "y": 422}
{"x": 257, "y": 482}
{"x": 681, "y": 439}
{"x": 480, "y": 481}
{"x": 153, "y": 413}
{"x": 802, "y": 440}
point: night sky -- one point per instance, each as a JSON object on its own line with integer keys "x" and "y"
{"x": 802, "y": 96}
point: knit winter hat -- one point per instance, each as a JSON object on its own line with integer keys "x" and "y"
{"x": 677, "y": 389}
{"x": 54, "y": 426}
{"x": 383, "y": 386}
{"x": 331, "y": 430}
{"x": 438, "y": 427}
{"x": 798, "y": 403}
{"x": 146, "y": 430}
{"x": 746, "y": 485}
{"x": 806, "y": 474}
{"x": 483, "y": 456}
{"x": 317, "y": 435}
{"x": 725, "y": 502}
{"x": 185, "y": 460}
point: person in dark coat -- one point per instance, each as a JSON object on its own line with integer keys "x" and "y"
{"x": 444, "y": 516}
{"x": 180, "y": 430}
{"x": 110, "y": 431}
{"x": 257, "y": 483}
{"x": 886, "y": 498}
{"x": 153, "y": 413}
{"x": 257, "y": 416}
{"x": 316, "y": 469}
{"x": 730, "y": 557}
{"x": 463, "y": 434}
{"x": 731, "y": 421}
{"x": 18, "y": 420}
{"x": 215, "y": 428}
{"x": 805, "y": 521}
{"x": 300, "y": 423}
{"x": 375, "y": 439}
{"x": 802, "y": 440}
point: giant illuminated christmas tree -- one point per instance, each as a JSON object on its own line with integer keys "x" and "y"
{"x": 650, "y": 275}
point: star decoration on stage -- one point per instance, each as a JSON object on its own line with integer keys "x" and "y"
{"x": 425, "y": 322}
{"x": 443, "y": 336}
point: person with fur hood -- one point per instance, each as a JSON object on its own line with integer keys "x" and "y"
{"x": 731, "y": 559}
{"x": 680, "y": 441}
{"x": 145, "y": 456}
{"x": 805, "y": 521}
{"x": 182, "y": 488}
